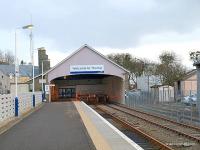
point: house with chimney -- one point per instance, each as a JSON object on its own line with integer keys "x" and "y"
{"x": 7, "y": 74}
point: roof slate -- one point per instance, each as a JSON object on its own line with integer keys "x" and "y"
{"x": 24, "y": 70}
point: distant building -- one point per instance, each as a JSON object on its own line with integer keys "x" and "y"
{"x": 25, "y": 72}
{"x": 4, "y": 83}
{"x": 162, "y": 93}
{"x": 186, "y": 86}
{"x": 21, "y": 88}
{"x": 7, "y": 76}
{"x": 166, "y": 93}
{"x": 42, "y": 58}
{"x": 7, "y": 83}
{"x": 145, "y": 82}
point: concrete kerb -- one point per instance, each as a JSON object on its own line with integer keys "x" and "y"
{"x": 101, "y": 141}
{"x": 15, "y": 120}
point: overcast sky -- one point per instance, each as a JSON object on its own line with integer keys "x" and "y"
{"x": 143, "y": 28}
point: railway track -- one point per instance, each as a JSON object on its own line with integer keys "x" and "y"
{"x": 133, "y": 133}
{"x": 187, "y": 115}
{"x": 166, "y": 120}
{"x": 169, "y": 133}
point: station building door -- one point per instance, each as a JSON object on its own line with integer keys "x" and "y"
{"x": 67, "y": 93}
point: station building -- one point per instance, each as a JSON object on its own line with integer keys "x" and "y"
{"x": 87, "y": 75}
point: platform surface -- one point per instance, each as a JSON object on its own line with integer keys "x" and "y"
{"x": 56, "y": 126}
{"x": 103, "y": 134}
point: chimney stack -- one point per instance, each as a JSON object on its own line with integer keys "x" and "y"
{"x": 42, "y": 57}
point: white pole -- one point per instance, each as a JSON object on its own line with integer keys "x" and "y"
{"x": 32, "y": 51}
{"x": 33, "y": 69}
{"x": 32, "y": 57}
{"x": 30, "y": 26}
{"x": 42, "y": 80}
{"x": 43, "y": 90}
{"x": 16, "y": 94}
{"x": 198, "y": 88}
{"x": 16, "y": 74}
{"x": 49, "y": 93}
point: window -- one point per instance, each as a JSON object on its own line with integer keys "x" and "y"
{"x": 67, "y": 92}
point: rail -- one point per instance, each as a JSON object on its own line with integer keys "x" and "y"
{"x": 159, "y": 124}
{"x": 133, "y": 128}
{"x": 160, "y": 117}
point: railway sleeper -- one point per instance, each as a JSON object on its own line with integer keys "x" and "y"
{"x": 184, "y": 144}
{"x": 167, "y": 128}
{"x": 130, "y": 126}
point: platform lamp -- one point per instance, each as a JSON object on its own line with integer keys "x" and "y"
{"x": 43, "y": 92}
{"x": 195, "y": 57}
{"x": 16, "y": 74}
{"x": 30, "y": 27}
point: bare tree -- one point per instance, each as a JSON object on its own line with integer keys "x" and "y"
{"x": 9, "y": 57}
{"x": 6, "y": 57}
{"x": 1, "y": 57}
{"x": 170, "y": 69}
{"x": 134, "y": 65}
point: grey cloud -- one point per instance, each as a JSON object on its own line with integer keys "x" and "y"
{"x": 101, "y": 23}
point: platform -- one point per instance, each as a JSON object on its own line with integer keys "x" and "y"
{"x": 59, "y": 126}
{"x": 103, "y": 134}
{"x": 56, "y": 126}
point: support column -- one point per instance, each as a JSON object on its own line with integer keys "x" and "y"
{"x": 16, "y": 107}
{"x": 33, "y": 100}
{"x": 198, "y": 88}
{"x": 50, "y": 88}
{"x": 124, "y": 88}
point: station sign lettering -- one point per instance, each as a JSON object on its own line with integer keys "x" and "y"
{"x": 84, "y": 69}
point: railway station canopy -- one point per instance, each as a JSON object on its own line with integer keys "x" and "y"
{"x": 87, "y": 75}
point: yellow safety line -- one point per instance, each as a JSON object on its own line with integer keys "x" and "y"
{"x": 97, "y": 138}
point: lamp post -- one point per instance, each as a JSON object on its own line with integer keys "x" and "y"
{"x": 195, "y": 57}
{"x": 30, "y": 26}
{"x": 43, "y": 93}
{"x": 16, "y": 74}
